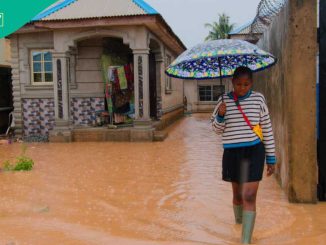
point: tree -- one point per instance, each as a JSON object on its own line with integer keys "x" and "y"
{"x": 220, "y": 29}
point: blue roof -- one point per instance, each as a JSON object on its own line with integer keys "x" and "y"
{"x": 145, "y": 6}
{"x": 62, "y": 4}
{"x": 240, "y": 28}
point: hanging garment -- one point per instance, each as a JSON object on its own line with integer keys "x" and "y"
{"x": 121, "y": 98}
{"x": 108, "y": 89}
{"x": 119, "y": 118}
{"x": 105, "y": 63}
{"x": 108, "y": 60}
{"x": 116, "y": 84}
{"x": 111, "y": 76}
{"x": 122, "y": 78}
{"x": 123, "y": 109}
{"x": 108, "y": 96}
{"x": 129, "y": 76}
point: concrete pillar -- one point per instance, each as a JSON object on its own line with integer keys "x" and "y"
{"x": 159, "y": 79}
{"x": 301, "y": 100}
{"x": 141, "y": 80}
{"x": 62, "y": 131}
{"x": 290, "y": 89}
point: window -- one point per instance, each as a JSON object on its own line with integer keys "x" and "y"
{"x": 210, "y": 92}
{"x": 168, "y": 84}
{"x": 42, "y": 72}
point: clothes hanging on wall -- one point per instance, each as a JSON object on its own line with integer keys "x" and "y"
{"x": 119, "y": 87}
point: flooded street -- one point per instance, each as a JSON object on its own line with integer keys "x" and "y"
{"x": 167, "y": 192}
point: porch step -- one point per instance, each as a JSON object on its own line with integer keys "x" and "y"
{"x": 160, "y": 135}
{"x": 100, "y": 135}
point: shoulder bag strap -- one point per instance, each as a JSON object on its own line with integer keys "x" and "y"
{"x": 236, "y": 100}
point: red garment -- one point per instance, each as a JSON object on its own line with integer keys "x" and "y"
{"x": 129, "y": 76}
{"x": 116, "y": 84}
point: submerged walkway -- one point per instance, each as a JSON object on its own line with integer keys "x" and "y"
{"x": 141, "y": 193}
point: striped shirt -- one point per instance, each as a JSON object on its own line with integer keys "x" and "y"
{"x": 234, "y": 129}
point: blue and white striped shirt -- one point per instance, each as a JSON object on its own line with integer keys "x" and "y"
{"x": 234, "y": 129}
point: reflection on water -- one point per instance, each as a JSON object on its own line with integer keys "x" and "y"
{"x": 141, "y": 193}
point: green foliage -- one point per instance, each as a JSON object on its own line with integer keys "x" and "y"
{"x": 220, "y": 29}
{"x": 23, "y": 163}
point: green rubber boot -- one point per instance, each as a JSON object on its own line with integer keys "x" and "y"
{"x": 248, "y": 223}
{"x": 237, "y": 209}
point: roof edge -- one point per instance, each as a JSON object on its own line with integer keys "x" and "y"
{"x": 145, "y": 6}
{"x": 52, "y": 10}
{"x": 170, "y": 31}
{"x": 156, "y": 18}
{"x": 240, "y": 28}
{"x": 140, "y": 3}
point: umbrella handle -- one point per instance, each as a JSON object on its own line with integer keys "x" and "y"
{"x": 221, "y": 83}
{"x": 220, "y": 68}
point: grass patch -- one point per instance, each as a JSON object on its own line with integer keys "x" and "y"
{"x": 22, "y": 163}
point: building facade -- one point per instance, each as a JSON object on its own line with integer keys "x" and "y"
{"x": 56, "y": 65}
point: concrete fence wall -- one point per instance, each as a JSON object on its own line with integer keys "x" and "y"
{"x": 290, "y": 90}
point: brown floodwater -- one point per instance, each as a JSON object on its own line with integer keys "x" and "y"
{"x": 167, "y": 192}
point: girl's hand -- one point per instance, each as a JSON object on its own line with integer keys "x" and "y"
{"x": 222, "y": 109}
{"x": 270, "y": 169}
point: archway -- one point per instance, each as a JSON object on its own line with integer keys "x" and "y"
{"x": 95, "y": 94}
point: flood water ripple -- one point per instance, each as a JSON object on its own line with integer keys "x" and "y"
{"x": 167, "y": 192}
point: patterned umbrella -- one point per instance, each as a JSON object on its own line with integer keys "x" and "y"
{"x": 219, "y": 58}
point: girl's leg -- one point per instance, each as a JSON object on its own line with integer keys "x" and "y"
{"x": 237, "y": 202}
{"x": 249, "y": 193}
{"x": 237, "y": 193}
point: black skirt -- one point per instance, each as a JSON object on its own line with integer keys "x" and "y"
{"x": 243, "y": 164}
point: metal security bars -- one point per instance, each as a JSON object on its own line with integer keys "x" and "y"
{"x": 266, "y": 12}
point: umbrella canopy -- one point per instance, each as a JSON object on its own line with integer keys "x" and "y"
{"x": 219, "y": 58}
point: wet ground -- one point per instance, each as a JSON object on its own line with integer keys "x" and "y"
{"x": 141, "y": 193}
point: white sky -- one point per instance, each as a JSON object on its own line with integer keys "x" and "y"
{"x": 188, "y": 17}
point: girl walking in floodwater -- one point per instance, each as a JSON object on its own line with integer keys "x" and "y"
{"x": 242, "y": 118}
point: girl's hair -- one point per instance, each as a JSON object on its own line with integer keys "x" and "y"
{"x": 242, "y": 70}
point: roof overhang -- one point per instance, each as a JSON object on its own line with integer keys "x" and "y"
{"x": 155, "y": 23}
{"x": 250, "y": 37}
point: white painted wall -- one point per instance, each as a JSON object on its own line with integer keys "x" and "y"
{"x": 26, "y": 43}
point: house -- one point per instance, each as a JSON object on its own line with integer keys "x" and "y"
{"x": 244, "y": 32}
{"x": 57, "y": 67}
{"x": 6, "y": 102}
{"x": 202, "y": 95}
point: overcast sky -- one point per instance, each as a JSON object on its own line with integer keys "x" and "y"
{"x": 188, "y": 17}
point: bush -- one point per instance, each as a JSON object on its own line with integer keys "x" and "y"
{"x": 23, "y": 163}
